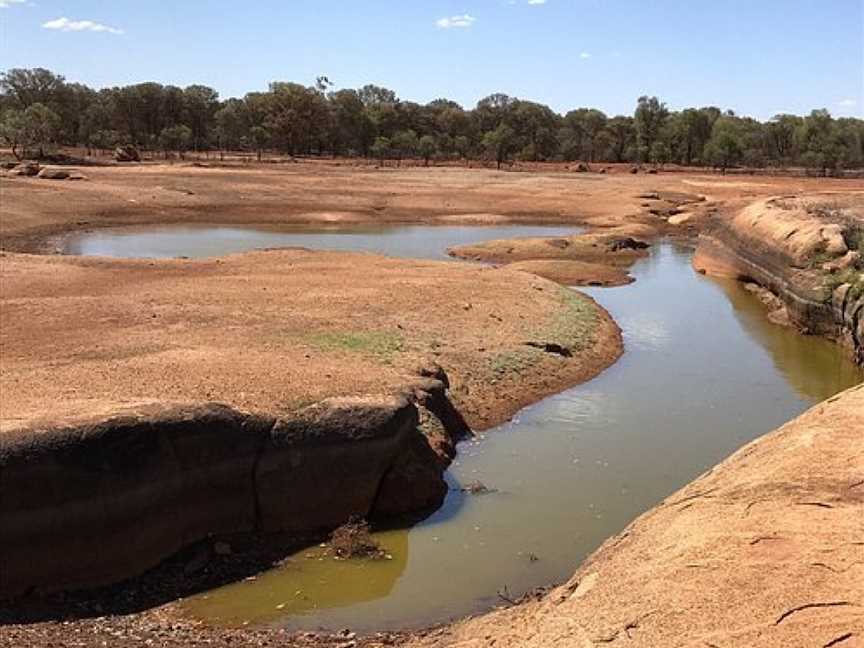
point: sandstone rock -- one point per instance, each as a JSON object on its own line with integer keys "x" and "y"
{"x": 848, "y": 260}
{"x": 26, "y": 169}
{"x": 127, "y": 153}
{"x": 680, "y": 219}
{"x": 54, "y": 174}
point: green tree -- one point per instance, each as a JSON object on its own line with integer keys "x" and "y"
{"x": 580, "y": 134}
{"x": 822, "y": 148}
{"x": 499, "y": 144}
{"x": 32, "y": 86}
{"x": 462, "y": 145}
{"x": 230, "y": 125}
{"x": 650, "y": 116}
{"x": 260, "y": 138}
{"x": 404, "y": 144}
{"x": 381, "y": 148}
{"x": 12, "y": 130}
{"x": 622, "y": 135}
{"x": 96, "y": 119}
{"x": 175, "y": 138}
{"x": 41, "y": 125}
{"x": 725, "y": 146}
{"x": 427, "y": 147}
{"x": 200, "y": 104}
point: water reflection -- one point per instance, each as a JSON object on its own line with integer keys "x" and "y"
{"x": 415, "y": 241}
{"x": 703, "y": 374}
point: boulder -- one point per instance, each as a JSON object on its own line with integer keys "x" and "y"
{"x": 848, "y": 260}
{"x": 26, "y": 169}
{"x": 627, "y": 243}
{"x": 127, "y": 153}
{"x": 53, "y": 174}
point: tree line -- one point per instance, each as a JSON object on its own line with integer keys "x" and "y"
{"x": 40, "y": 109}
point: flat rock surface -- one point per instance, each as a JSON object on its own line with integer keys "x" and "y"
{"x": 765, "y": 549}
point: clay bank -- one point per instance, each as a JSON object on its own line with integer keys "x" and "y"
{"x": 110, "y": 379}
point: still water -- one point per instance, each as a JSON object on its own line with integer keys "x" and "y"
{"x": 413, "y": 241}
{"x": 704, "y": 372}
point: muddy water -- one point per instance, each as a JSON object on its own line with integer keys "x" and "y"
{"x": 704, "y": 373}
{"x": 419, "y": 242}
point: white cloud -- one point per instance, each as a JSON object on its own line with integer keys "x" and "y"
{"x": 585, "y": 55}
{"x": 5, "y": 4}
{"x": 847, "y": 103}
{"x": 463, "y": 22}
{"x": 536, "y": 2}
{"x": 66, "y": 25}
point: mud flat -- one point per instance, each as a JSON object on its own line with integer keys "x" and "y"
{"x": 148, "y": 405}
{"x": 762, "y": 550}
{"x": 806, "y": 253}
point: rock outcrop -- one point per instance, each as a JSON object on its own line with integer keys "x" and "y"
{"x": 802, "y": 254}
{"x": 127, "y": 153}
{"x": 765, "y": 549}
{"x": 92, "y": 503}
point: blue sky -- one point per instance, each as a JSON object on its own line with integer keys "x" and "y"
{"x": 758, "y": 57}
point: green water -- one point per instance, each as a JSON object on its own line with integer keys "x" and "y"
{"x": 704, "y": 372}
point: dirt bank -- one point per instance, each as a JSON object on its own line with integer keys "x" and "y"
{"x": 110, "y": 439}
{"x": 574, "y": 273}
{"x": 328, "y": 193}
{"x": 764, "y": 549}
{"x": 807, "y": 250}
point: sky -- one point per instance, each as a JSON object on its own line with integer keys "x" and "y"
{"x": 757, "y": 57}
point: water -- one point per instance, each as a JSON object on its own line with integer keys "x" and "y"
{"x": 704, "y": 373}
{"x": 413, "y": 241}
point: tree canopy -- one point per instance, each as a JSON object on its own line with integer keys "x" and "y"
{"x": 39, "y": 108}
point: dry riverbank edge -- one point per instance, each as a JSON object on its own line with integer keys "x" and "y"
{"x": 807, "y": 251}
{"x": 150, "y": 405}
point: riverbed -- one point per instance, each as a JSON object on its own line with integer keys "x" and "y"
{"x": 703, "y": 373}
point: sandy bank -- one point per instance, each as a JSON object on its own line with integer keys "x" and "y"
{"x": 112, "y": 370}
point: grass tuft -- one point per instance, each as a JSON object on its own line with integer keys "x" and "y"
{"x": 381, "y": 344}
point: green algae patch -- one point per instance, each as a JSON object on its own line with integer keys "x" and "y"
{"x": 574, "y": 326}
{"x": 381, "y": 344}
